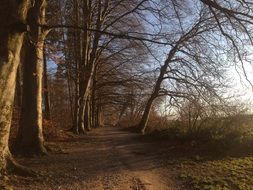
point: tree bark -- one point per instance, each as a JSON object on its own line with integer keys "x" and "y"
{"x": 76, "y": 128}
{"x": 93, "y": 103}
{"x": 30, "y": 136}
{"x": 18, "y": 98}
{"x": 13, "y": 16}
{"x": 47, "y": 113}
{"x": 87, "y": 115}
{"x": 84, "y": 101}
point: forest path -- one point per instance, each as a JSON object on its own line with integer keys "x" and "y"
{"x": 106, "y": 159}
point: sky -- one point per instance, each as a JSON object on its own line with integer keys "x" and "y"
{"x": 241, "y": 87}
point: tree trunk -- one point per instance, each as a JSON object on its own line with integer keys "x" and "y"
{"x": 77, "y": 104}
{"x": 85, "y": 71}
{"x": 78, "y": 87}
{"x": 30, "y": 136}
{"x": 144, "y": 120}
{"x": 70, "y": 88}
{"x": 18, "y": 96}
{"x": 12, "y": 21}
{"x": 145, "y": 116}
{"x": 90, "y": 113}
{"x": 87, "y": 115}
{"x": 84, "y": 101}
{"x": 93, "y": 100}
{"x": 99, "y": 117}
{"x": 81, "y": 124}
{"x": 88, "y": 57}
{"x": 47, "y": 114}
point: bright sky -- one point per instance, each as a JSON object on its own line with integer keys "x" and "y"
{"x": 240, "y": 85}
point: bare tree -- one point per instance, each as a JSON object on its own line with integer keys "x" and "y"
{"x": 185, "y": 65}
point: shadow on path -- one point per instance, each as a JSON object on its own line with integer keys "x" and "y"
{"x": 107, "y": 158}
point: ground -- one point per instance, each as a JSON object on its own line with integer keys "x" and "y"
{"x": 106, "y": 159}
{"x": 115, "y": 159}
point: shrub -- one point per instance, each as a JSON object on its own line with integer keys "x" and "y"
{"x": 224, "y": 131}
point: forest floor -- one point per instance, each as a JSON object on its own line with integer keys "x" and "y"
{"x": 115, "y": 159}
{"x": 105, "y": 159}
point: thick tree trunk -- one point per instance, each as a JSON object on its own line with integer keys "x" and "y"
{"x": 30, "y": 136}
{"x": 12, "y": 21}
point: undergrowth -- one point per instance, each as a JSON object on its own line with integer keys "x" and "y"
{"x": 219, "y": 133}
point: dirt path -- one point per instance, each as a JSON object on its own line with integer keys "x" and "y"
{"x": 106, "y": 159}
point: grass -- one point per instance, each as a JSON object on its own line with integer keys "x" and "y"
{"x": 225, "y": 174}
{"x": 216, "y": 156}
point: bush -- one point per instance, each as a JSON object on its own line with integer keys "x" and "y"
{"x": 225, "y": 131}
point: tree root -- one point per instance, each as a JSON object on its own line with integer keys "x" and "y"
{"x": 11, "y": 167}
{"x": 14, "y": 168}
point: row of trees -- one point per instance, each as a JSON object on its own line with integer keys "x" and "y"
{"x": 114, "y": 60}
